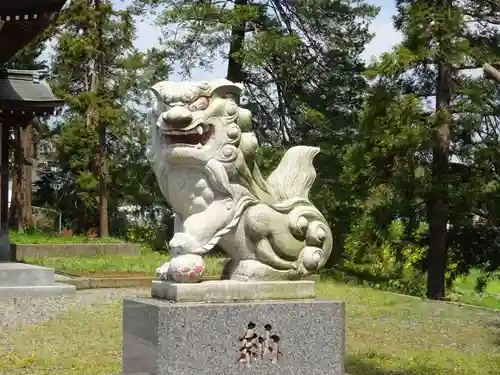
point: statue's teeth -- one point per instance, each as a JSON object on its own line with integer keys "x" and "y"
{"x": 199, "y": 145}
{"x": 199, "y": 129}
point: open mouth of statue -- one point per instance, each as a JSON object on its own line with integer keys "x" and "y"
{"x": 196, "y": 137}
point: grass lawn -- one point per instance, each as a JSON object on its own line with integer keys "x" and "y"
{"x": 464, "y": 287}
{"x": 115, "y": 265}
{"x": 148, "y": 261}
{"x": 386, "y": 335}
{"x": 39, "y": 238}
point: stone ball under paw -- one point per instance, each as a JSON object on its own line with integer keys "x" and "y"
{"x": 188, "y": 268}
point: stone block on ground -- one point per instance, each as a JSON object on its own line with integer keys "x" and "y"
{"x": 20, "y": 274}
{"x": 36, "y": 290}
{"x": 163, "y": 338}
{"x": 21, "y": 280}
{"x": 233, "y": 291}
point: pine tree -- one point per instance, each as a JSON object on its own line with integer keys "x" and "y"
{"x": 442, "y": 39}
{"x": 98, "y": 72}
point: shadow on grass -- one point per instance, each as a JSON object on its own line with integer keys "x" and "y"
{"x": 357, "y": 366}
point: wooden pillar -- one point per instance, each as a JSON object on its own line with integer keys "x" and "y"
{"x": 4, "y": 192}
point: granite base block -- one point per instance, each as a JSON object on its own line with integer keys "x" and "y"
{"x": 233, "y": 291}
{"x": 164, "y": 338}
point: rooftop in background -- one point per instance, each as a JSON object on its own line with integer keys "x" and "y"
{"x": 26, "y": 92}
{"x": 22, "y": 20}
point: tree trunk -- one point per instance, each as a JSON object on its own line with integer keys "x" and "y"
{"x": 234, "y": 66}
{"x": 16, "y": 217}
{"x": 4, "y": 170}
{"x": 28, "y": 150}
{"x": 21, "y": 215}
{"x": 437, "y": 203}
{"x": 101, "y": 126}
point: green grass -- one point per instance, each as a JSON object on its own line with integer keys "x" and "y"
{"x": 39, "y": 239}
{"x": 108, "y": 265}
{"x": 148, "y": 261}
{"x": 386, "y": 335}
{"x": 464, "y": 291}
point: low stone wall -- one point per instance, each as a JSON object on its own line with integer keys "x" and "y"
{"x": 19, "y": 252}
{"x": 128, "y": 282}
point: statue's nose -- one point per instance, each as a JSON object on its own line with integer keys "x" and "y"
{"x": 178, "y": 117}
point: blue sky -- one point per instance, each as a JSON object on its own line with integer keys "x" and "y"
{"x": 385, "y": 38}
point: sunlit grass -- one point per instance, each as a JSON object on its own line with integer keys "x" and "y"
{"x": 466, "y": 293}
{"x": 114, "y": 264}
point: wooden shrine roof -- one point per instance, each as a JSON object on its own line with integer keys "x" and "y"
{"x": 25, "y": 92}
{"x": 22, "y": 20}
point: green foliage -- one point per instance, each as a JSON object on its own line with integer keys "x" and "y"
{"x": 382, "y": 259}
{"x": 156, "y": 236}
{"x": 395, "y": 158}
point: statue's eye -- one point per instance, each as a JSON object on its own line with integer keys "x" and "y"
{"x": 199, "y": 104}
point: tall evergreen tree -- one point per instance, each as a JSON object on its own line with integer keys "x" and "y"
{"x": 441, "y": 109}
{"x": 98, "y": 72}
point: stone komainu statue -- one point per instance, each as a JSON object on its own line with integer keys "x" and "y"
{"x": 204, "y": 160}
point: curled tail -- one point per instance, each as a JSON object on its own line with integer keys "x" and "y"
{"x": 294, "y": 175}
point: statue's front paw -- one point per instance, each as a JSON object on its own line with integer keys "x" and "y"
{"x": 183, "y": 243}
{"x": 162, "y": 271}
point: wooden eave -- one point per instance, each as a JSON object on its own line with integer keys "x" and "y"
{"x": 26, "y": 93}
{"x": 22, "y": 20}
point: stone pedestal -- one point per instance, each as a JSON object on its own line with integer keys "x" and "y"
{"x": 19, "y": 280}
{"x": 162, "y": 337}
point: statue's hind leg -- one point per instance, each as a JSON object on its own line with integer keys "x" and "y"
{"x": 266, "y": 266}
{"x": 266, "y": 254}
{"x": 249, "y": 269}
